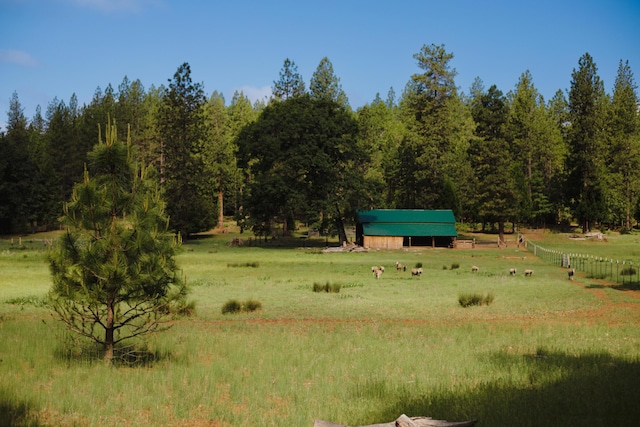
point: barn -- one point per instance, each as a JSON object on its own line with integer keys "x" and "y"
{"x": 403, "y": 228}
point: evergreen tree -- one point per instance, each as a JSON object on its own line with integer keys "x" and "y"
{"x": 438, "y": 130}
{"x": 624, "y": 160}
{"x": 240, "y": 114}
{"x": 538, "y": 148}
{"x": 114, "y": 269}
{"x": 15, "y": 170}
{"x": 326, "y": 85}
{"x": 290, "y": 83}
{"x": 148, "y": 141}
{"x": 586, "y": 161}
{"x": 183, "y": 132}
{"x": 220, "y": 152}
{"x": 65, "y": 148}
{"x": 491, "y": 156}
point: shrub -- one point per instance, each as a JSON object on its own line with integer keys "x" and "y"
{"x": 251, "y": 305}
{"x": 180, "y": 308}
{"x": 467, "y": 300}
{"x": 244, "y": 264}
{"x": 418, "y": 265}
{"x": 455, "y": 265}
{"x": 235, "y": 306}
{"x": 327, "y": 287}
{"x": 231, "y": 306}
{"x": 317, "y": 287}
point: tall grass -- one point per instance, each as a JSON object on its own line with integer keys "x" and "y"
{"x": 547, "y": 351}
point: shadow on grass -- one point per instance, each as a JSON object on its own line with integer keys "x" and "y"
{"x": 16, "y": 413}
{"x": 204, "y": 241}
{"x": 627, "y": 286}
{"x": 132, "y": 357}
{"x": 559, "y": 390}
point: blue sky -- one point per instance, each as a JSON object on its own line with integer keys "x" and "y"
{"x": 54, "y": 48}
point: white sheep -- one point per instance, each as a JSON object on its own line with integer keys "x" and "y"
{"x": 474, "y": 269}
{"x": 416, "y": 271}
{"x": 571, "y": 273}
{"x": 528, "y": 272}
{"x": 378, "y": 273}
{"x": 402, "y": 267}
{"x": 512, "y": 271}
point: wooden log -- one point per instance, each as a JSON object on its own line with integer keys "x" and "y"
{"x": 405, "y": 421}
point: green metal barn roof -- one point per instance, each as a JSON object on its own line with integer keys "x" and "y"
{"x": 408, "y": 222}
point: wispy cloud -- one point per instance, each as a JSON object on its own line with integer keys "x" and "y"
{"x": 256, "y": 93}
{"x": 17, "y": 57}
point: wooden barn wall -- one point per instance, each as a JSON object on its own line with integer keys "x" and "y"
{"x": 383, "y": 242}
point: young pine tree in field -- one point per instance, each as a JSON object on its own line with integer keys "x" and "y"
{"x": 114, "y": 269}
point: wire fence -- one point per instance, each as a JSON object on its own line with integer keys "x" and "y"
{"x": 624, "y": 272}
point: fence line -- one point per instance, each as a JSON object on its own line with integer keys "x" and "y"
{"x": 625, "y": 272}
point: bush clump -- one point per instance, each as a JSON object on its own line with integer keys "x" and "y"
{"x": 251, "y": 305}
{"x": 455, "y": 265}
{"x": 331, "y": 288}
{"x": 231, "y": 306}
{"x": 243, "y": 264}
{"x": 467, "y": 300}
{"x": 418, "y": 265}
{"x": 235, "y": 306}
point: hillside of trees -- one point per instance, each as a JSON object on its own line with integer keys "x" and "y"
{"x": 307, "y": 156}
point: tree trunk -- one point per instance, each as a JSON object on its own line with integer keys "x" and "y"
{"x": 108, "y": 335}
{"x": 501, "y": 231}
{"x": 220, "y": 207}
{"x": 342, "y": 234}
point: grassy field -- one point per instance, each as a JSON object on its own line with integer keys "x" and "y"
{"x": 546, "y": 352}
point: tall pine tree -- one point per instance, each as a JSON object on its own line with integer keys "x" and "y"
{"x": 586, "y": 165}
{"x": 183, "y": 132}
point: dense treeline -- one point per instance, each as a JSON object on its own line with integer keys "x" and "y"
{"x": 306, "y": 155}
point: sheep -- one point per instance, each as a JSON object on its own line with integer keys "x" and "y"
{"x": 528, "y": 272}
{"x": 416, "y": 271}
{"x": 402, "y": 267}
{"x": 571, "y": 273}
{"x": 374, "y": 268}
{"x": 378, "y": 273}
{"x": 381, "y": 268}
{"x": 474, "y": 269}
{"x": 512, "y": 271}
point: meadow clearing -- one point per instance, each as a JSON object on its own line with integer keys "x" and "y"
{"x": 546, "y": 352}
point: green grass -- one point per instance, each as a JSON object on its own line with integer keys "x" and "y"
{"x": 546, "y": 351}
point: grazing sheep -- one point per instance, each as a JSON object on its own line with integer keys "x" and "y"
{"x": 571, "y": 273}
{"x": 416, "y": 271}
{"x": 378, "y": 273}
{"x": 474, "y": 269}
{"x": 512, "y": 271}
{"x": 402, "y": 267}
{"x": 528, "y": 272}
{"x": 381, "y": 268}
{"x": 374, "y": 268}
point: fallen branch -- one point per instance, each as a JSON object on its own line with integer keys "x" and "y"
{"x": 404, "y": 421}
